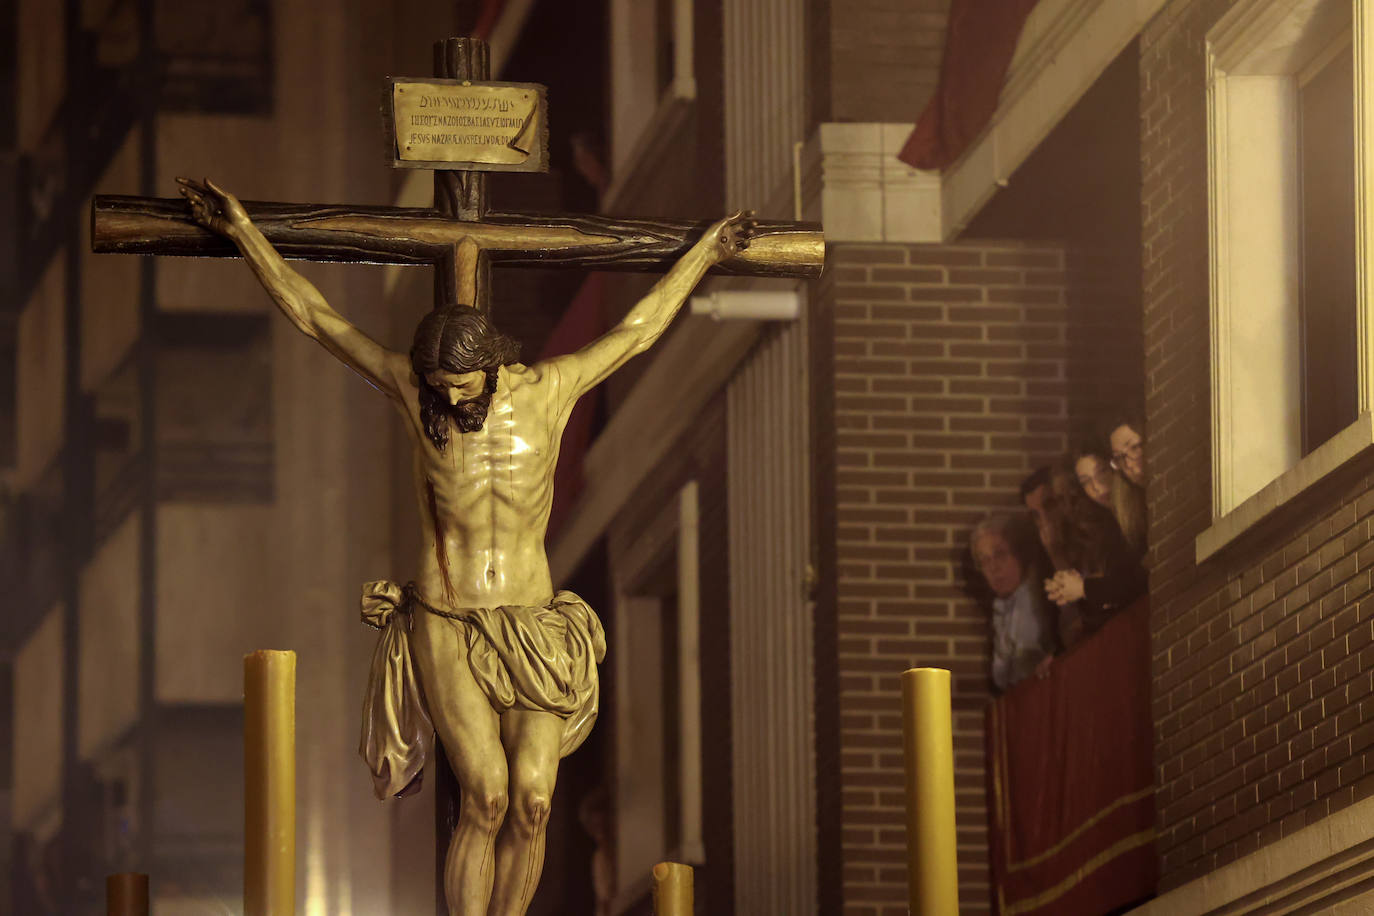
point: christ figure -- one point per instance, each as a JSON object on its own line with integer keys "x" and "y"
{"x": 507, "y": 667}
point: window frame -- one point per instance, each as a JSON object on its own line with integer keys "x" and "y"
{"x": 633, "y": 139}
{"x": 1243, "y": 44}
{"x": 645, "y": 788}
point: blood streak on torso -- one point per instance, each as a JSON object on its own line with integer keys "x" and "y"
{"x": 485, "y": 500}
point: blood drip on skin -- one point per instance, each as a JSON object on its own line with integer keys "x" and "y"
{"x": 440, "y": 554}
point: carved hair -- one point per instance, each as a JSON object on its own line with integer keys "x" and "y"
{"x": 456, "y": 338}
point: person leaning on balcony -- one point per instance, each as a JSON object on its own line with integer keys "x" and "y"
{"x": 1037, "y": 494}
{"x": 1094, "y": 471}
{"x": 1103, "y": 572}
{"x": 1038, "y": 498}
{"x": 1022, "y": 627}
{"x": 1123, "y": 435}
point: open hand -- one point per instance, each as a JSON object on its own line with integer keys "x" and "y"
{"x": 733, "y": 234}
{"x": 213, "y": 207}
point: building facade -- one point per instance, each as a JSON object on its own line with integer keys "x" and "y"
{"x": 772, "y": 515}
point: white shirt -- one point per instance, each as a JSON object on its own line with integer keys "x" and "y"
{"x": 1020, "y": 636}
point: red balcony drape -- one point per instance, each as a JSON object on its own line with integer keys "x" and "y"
{"x": 1071, "y": 779}
{"x": 979, "y": 42}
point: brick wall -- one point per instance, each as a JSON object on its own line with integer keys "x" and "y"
{"x": 884, "y": 57}
{"x": 950, "y": 386}
{"x": 1264, "y": 654}
{"x": 1105, "y": 368}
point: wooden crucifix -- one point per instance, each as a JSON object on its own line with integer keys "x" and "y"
{"x": 508, "y": 665}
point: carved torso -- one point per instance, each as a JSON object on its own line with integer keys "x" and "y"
{"x": 485, "y": 499}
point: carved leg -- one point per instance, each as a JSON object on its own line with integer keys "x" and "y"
{"x": 532, "y": 740}
{"x": 471, "y": 732}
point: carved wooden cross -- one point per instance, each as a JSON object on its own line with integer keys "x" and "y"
{"x": 457, "y": 235}
{"x": 462, "y": 240}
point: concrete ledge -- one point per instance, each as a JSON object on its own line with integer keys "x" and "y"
{"x": 868, "y": 194}
{"x": 1349, "y": 443}
{"x": 1325, "y": 868}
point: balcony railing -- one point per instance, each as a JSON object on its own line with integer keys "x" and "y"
{"x": 1071, "y": 779}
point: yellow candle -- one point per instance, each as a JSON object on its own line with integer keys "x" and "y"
{"x": 126, "y": 894}
{"x": 932, "y": 866}
{"x": 269, "y": 783}
{"x": 672, "y": 889}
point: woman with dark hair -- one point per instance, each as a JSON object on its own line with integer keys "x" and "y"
{"x": 1104, "y": 573}
{"x": 1125, "y": 434}
{"x": 1094, "y": 471}
{"x": 1124, "y": 437}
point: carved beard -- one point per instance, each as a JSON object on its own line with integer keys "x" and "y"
{"x": 469, "y": 416}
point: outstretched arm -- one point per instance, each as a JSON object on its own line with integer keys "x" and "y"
{"x": 221, "y": 212}
{"x": 649, "y": 319}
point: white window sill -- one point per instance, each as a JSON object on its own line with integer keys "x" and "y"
{"x": 1307, "y": 473}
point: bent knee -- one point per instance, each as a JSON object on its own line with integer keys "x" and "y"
{"x": 532, "y": 809}
{"x": 485, "y": 807}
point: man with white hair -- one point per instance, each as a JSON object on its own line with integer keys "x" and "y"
{"x": 1022, "y": 628}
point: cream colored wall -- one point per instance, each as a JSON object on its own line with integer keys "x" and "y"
{"x": 216, "y": 598}
{"x": 37, "y": 757}
{"x": 107, "y": 680}
{"x": 237, "y": 578}
{"x": 233, "y": 578}
{"x": 109, "y": 286}
{"x": 241, "y": 155}
{"x": 634, "y": 97}
{"x": 42, "y": 61}
{"x": 41, "y": 375}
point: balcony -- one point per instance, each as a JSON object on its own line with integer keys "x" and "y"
{"x": 1071, "y": 779}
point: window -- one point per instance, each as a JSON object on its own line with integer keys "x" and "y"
{"x": 1326, "y": 297}
{"x": 117, "y": 418}
{"x": 1290, "y": 384}
{"x": 214, "y": 408}
{"x": 651, "y": 76}
{"x": 216, "y": 55}
{"x": 657, "y": 794}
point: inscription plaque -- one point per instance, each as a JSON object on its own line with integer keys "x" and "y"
{"x": 473, "y": 126}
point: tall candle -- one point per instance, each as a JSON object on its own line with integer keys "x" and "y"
{"x": 126, "y": 894}
{"x": 672, "y": 889}
{"x": 269, "y": 783}
{"x": 932, "y": 866}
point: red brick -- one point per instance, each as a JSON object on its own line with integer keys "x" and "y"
{"x": 952, "y": 413}
{"x": 1288, "y": 624}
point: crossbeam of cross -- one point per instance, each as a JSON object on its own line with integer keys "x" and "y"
{"x": 457, "y": 235}
{"x": 394, "y": 235}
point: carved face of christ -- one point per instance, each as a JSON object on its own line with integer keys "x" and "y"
{"x": 455, "y": 357}
{"x": 466, "y": 394}
{"x": 457, "y": 387}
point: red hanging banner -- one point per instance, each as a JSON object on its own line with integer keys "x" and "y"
{"x": 979, "y": 42}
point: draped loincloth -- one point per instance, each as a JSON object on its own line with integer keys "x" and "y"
{"x": 536, "y": 658}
